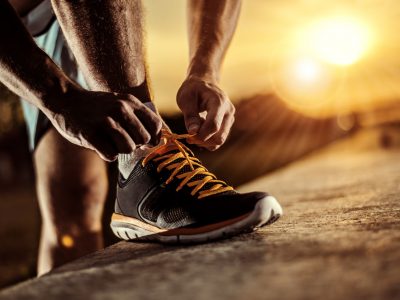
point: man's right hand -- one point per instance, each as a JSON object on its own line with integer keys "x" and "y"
{"x": 108, "y": 123}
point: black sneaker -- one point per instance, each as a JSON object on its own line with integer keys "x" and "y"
{"x": 170, "y": 197}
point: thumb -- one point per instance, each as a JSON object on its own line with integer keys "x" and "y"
{"x": 192, "y": 122}
{"x": 190, "y": 111}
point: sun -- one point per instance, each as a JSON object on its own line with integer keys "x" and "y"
{"x": 337, "y": 40}
{"x": 306, "y": 71}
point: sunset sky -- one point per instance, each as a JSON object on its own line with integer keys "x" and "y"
{"x": 319, "y": 56}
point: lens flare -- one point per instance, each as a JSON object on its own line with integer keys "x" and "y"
{"x": 67, "y": 241}
{"x": 306, "y": 71}
{"x": 304, "y": 83}
{"x": 338, "y": 40}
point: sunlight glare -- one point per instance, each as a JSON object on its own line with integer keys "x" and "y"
{"x": 339, "y": 40}
{"x": 306, "y": 71}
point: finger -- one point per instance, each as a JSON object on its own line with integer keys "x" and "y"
{"x": 192, "y": 118}
{"x": 135, "y": 129}
{"x": 195, "y": 139}
{"x": 151, "y": 123}
{"x": 220, "y": 137}
{"x": 106, "y": 157}
{"x": 213, "y": 122}
{"x": 190, "y": 111}
{"x": 103, "y": 147}
{"x": 141, "y": 123}
{"x": 121, "y": 139}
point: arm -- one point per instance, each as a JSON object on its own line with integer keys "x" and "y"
{"x": 24, "y": 68}
{"x": 96, "y": 120}
{"x": 211, "y": 27}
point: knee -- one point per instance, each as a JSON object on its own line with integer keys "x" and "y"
{"x": 72, "y": 186}
{"x": 74, "y": 206}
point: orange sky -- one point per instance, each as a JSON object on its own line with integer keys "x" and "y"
{"x": 267, "y": 34}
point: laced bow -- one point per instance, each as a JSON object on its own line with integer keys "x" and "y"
{"x": 174, "y": 163}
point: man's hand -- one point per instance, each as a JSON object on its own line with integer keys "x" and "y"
{"x": 211, "y": 26}
{"x": 105, "y": 122}
{"x": 197, "y": 96}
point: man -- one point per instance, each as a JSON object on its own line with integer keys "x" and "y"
{"x": 164, "y": 193}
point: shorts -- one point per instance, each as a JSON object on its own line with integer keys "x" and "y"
{"x": 52, "y": 42}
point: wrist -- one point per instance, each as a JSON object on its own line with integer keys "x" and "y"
{"x": 52, "y": 89}
{"x": 203, "y": 71}
{"x": 57, "y": 98}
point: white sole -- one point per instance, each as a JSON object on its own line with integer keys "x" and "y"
{"x": 266, "y": 211}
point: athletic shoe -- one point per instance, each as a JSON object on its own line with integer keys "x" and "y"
{"x": 170, "y": 197}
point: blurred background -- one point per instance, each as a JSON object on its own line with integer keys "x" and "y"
{"x": 302, "y": 73}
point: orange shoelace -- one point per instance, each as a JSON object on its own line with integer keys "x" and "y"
{"x": 174, "y": 163}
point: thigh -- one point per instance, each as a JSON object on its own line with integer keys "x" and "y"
{"x": 72, "y": 183}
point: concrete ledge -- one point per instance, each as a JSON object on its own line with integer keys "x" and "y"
{"x": 339, "y": 239}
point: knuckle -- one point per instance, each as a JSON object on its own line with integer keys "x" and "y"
{"x": 143, "y": 110}
{"x": 132, "y": 98}
{"x": 141, "y": 107}
{"x": 124, "y": 107}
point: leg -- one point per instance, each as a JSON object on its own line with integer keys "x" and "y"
{"x": 71, "y": 181}
{"x": 72, "y": 188}
{"x": 112, "y": 60}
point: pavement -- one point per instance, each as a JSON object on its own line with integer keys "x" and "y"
{"x": 339, "y": 239}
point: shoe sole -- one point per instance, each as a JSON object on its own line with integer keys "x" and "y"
{"x": 266, "y": 212}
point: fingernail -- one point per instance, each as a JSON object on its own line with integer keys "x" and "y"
{"x": 193, "y": 128}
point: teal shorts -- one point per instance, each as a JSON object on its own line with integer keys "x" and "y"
{"x": 53, "y": 43}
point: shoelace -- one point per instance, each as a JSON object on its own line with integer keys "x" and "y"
{"x": 174, "y": 163}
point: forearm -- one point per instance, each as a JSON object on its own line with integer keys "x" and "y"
{"x": 211, "y": 27}
{"x": 26, "y": 69}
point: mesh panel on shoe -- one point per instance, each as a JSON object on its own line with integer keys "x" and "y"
{"x": 162, "y": 208}
{"x": 149, "y": 214}
{"x": 137, "y": 172}
{"x": 176, "y": 215}
{"x": 152, "y": 207}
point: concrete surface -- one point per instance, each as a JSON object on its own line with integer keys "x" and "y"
{"x": 339, "y": 239}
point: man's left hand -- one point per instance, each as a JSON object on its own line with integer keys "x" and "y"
{"x": 207, "y": 110}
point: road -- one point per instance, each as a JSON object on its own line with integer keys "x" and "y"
{"x": 339, "y": 239}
